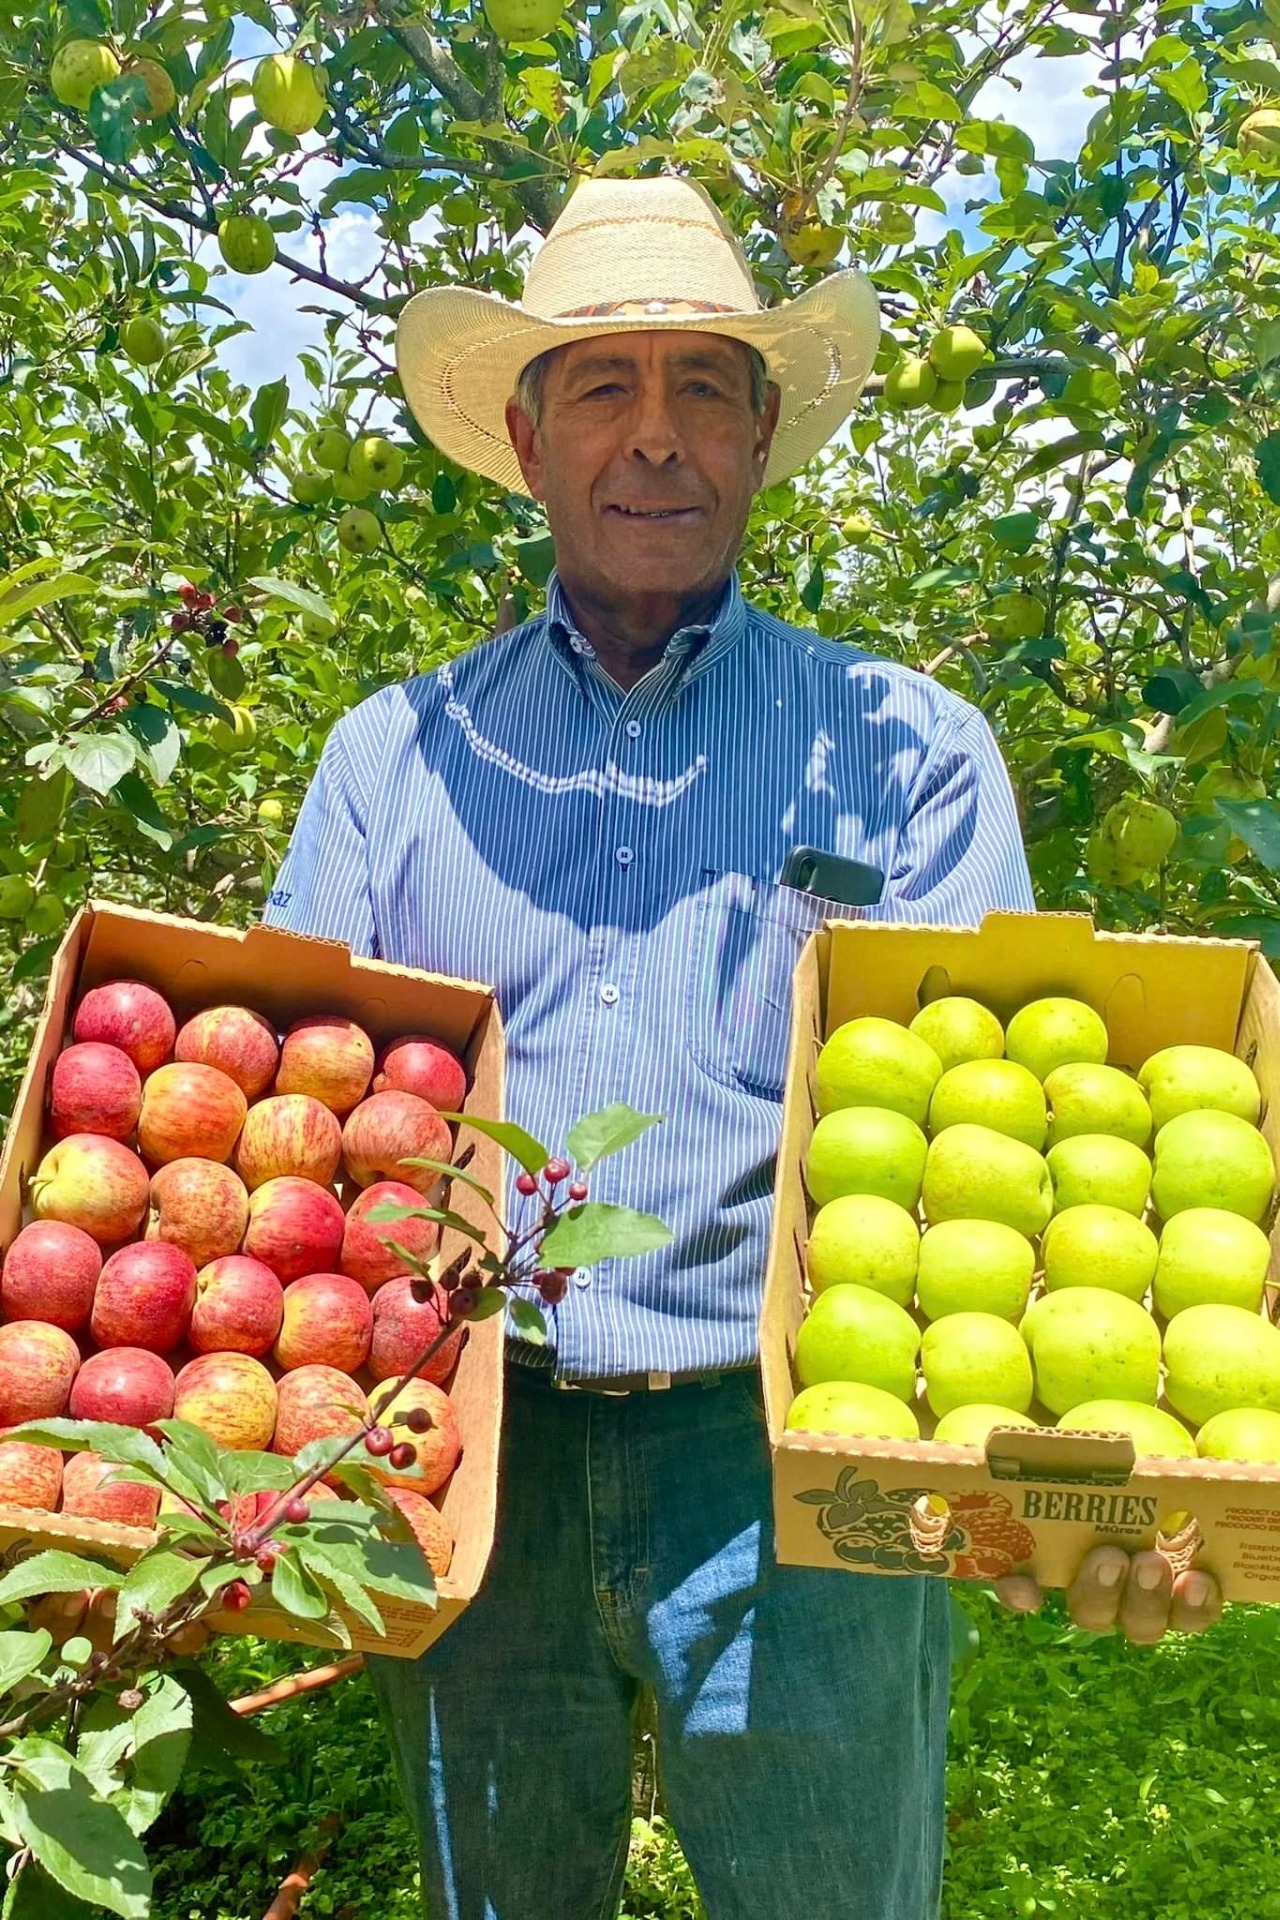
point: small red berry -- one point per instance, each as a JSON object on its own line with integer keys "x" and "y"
{"x": 525, "y": 1183}
{"x": 555, "y": 1171}
{"x": 179, "y": 622}
{"x": 577, "y": 1189}
{"x": 421, "y": 1291}
{"x": 418, "y": 1420}
{"x": 297, "y": 1510}
{"x": 233, "y": 613}
{"x": 379, "y": 1441}
{"x": 237, "y": 1596}
{"x": 461, "y": 1301}
{"x": 552, "y": 1285}
{"x": 402, "y": 1456}
{"x": 205, "y": 599}
{"x": 267, "y": 1558}
{"x": 188, "y": 594}
{"x": 231, "y": 648}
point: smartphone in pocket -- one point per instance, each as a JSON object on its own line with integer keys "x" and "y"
{"x": 832, "y": 877}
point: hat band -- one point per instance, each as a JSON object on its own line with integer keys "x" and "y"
{"x": 609, "y": 309}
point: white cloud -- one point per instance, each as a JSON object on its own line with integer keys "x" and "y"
{"x": 1046, "y": 98}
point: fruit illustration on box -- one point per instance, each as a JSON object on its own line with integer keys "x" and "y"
{"x": 982, "y": 1538}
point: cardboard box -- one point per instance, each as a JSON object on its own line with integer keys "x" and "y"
{"x": 284, "y": 975}
{"x": 1033, "y": 1499}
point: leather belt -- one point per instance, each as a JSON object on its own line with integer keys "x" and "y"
{"x": 619, "y": 1384}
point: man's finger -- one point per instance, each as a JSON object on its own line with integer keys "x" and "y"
{"x": 1148, "y": 1596}
{"x": 1197, "y": 1602}
{"x": 1094, "y": 1596}
{"x": 60, "y": 1614}
{"x": 1019, "y": 1592}
{"x": 191, "y": 1639}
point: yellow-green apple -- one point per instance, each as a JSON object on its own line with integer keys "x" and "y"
{"x": 416, "y": 1063}
{"x": 1093, "y": 1246}
{"x": 246, "y": 242}
{"x": 85, "y": 1495}
{"x": 1084, "y": 1097}
{"x": 851, "y": 1333}
{"x": 359, "y": 531}
{"x": 367, "y": 1254}
{"x": 129, "y": 1015}
{"x": 966, "y": 1357}
{"x": 388, "y": 1129}
{"x": 1211, "y": 1159}
{"x": 850, "y": 1406}
{"x": 79, "y": 68}
{"x": 975, "y": 1266}
{"x": 128, "y": 1385}
{"x": 959, "y": 1029}
{"x": 376, "y": 462}
{"x": 229, "y": 1396}
{"x": 974, "y": 1173}
{"x": 200, "y": 1206}
{"x": 316, "y": 1403}
{"x": 1097, "y": 1169}
{"x": 956, "y": 352}
{"x": 94, "y": 1088}
{"x": 1090, "y": 1344}
{"x": 866, "y": 1150}
{"x": 295, "y": 1227}
{"x": 30, "y": 1476}
{"x": 189, "y": 1111}
{"x": 327, "y": 1322}
{"x": 871, "y": 1062}
{"x": 1054, "y": 1032}
{"x": 144, "y": 340}
{"x": 436, "y": 1451}
{"x": 239, "y": 1042}
{"x": 1151, "y": 1431}
{"x": 521, "y": 21}
{"x": 403, "y": 1329}
{"x": 990, "y": 1093}
{"x": 289, "y": 1136}
{"x": 288, "y": 92}
{"x": 144, "y": 1297}
{"x": 328, "y": 447}
{"x": 427, "y": 1525}
{"x": 50, "y": 1272}
{"x": 1209, "y": 1256}
{"x": 867, "y": 1240}
{"x": 328, "y": 1057}
{"x": 910, "y": 382}
{"x": 973, "y": 1425}
{"x": 1218, "y": 1358}
{"x": 162, "y": 95}
{"x": 93, "y": 1183}
{"x": 1242, "y": 1433}
{"x": 239, "y": 1304}
{"x": 1188, "y": 1079}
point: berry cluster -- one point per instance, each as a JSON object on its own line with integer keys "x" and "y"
{"x": 200, "y": 614}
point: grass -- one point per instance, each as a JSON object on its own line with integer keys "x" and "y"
{"x": 1089, "y": 1780}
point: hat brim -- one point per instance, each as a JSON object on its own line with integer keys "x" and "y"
{"x": 459, "y": 354}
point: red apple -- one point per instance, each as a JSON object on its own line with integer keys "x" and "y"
{"x": 129, "y": 1385}
{"x": 37, "y": 1365}
{"x": 402, "y": 1329}
{"x": 229, "y": 1396}
{"x": 428, "y": 1525}
{"x": 29, "y": 1476}
{"x": 328, "y": 1057}
{"x": 418, "y": 1064}
{"x": 131, "y": 1016}
{"x": 290, "y": 1136}
{"x": 189, "y": 1111}
{"x": 438, "y": 1450}
{"x": 144, "y": 1297}
{"x": 50, "y": 1272}
{"x": 93, "y": 1183}
{"x": 94, "y": 1088}
{"x": 238, "y": 1042}
{"x": 295, "y": 1227}
{"x": 386, "y": 1130}
{"x": 200, "y": 1206}
{"x": 327, "y": 1322}
{"x": 239, "y": 1302}
{"x": 316, "y": 1403}
{"x": 124, "y": 1501}
{"x": 366, "y": 1255}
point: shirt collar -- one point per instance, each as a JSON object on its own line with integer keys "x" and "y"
{"x": 690, "y": 650}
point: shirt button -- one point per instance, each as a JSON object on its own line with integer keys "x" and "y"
{"x": 623, "y": 856}
{"x": 632, "y": 729}
{"x": 609, "y": 994}
{"x": 581, "y": 1276}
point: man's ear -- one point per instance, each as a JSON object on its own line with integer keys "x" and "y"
{"x": 526, "y": 440}
{"x": 766, "y": 427}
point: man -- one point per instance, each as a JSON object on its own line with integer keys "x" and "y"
{"x": 591, "y": 813}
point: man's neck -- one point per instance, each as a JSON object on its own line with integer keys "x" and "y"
{"x": 630, "y": 636}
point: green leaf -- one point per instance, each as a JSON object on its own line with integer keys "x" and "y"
{"x": 392, "y": 1567}
{"x": 81, "y": 1841}
{"x": 21, "y": 1652}
{"x": 251, "y": 1472}
{"x": 115, "y": 111}
{"x": 122, "y": 1446}
{"x": 293, "y": 1588}
{"x": 1060, "y": 451}
{"x": 528, "y": 1318}
{"x": 1016, "y": 531}
{"x": 585, "y": 1235}
{"x": 161, "y": 1741}
{"x": 452, "y": 1173}
{"x": 349, "y": 1591}
{"x": 98, "y": 760}
{"x": 1258, "y": 824}
{"x": 154, "y": 1582}
{"x": 57, "y": 1572}
{"x": 293, "y": 596}
{"x": 1267, "y": 455}
{"x": 34, "y": 1896}
{"x": 1186, "y": 84}
{"x": 523, "y": 1148}
{"x": 220, "y": 1736}
{"x": 16, "y": 603}
{"x": 270, "y": 404}
{"x": 596, "y": 1135}
{"x": 810, "y": 582}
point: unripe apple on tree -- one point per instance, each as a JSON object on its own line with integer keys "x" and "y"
{"x": 1143, "y": 831}
{"x": 328, "y": 448}
{"x": 812, "y": 244}
{"x": 129, "y": 1015}
{"x": 79, "y": 68}
{"x": 1014, "y": 616}
{"x": 17, "y": 896}
{"x": 311, "y": 487}
{"x": 957, "y": 351}
{"x": 520, "y": 21}
{"x": 162, "y": 95}
{"x": 144, "y": 340}
{"x": 247, "y": 242}
{"x": 1258, "y": 135}
{"x": 238, "y": 734}
{"x": 909, "y": 383}
{"x": 359, "y": 531}
{"x": 351, "y": 487}
{"x": 376, "y": 463}
{"x": 288, "y": 92}
{"x": 947, "y": 396}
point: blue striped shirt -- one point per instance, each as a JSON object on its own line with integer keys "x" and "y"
{"x": 609, "y": 862}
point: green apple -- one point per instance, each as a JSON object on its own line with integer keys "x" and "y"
{"x": 1242, "y": 1433}
{"x": 867, "y": 1240}
{"x": 975, "y": 1356}
{"x": 846, "y": 1406}
{"x": 311, "y": 487}
{"x": 376, "y": 460}
{"x": 866, "y": 1150}
{"x": 1219, "y": 1358}
{"x": 1211, "y": 1159}
{"x": 909, "y": 383}
{"x": 1210, "y": 1257}
{"x": 1096, "y": 1169}
{"x": 328, "y": 447}
{"x": 1142, "y": 831}
{"x": 990, "y": 1093}
{"x": 1084, "y": 1097}
{"x": 975, "y": 1266}
{"x": 288, "y": 92}
{"x": 956, "y": 352}
{"x": 79, "y": 68}
{"x": 359, "y": 531}
{"x": 521, "y": 21}
{"x": 246, "y": 242}
{"x": 144, "y": 340}
{"x": 877, "y": 1063}
{"x": 1187, "y": 1079}
{"x": 973, "y": 1173}
{"x": 1052, "y": 1033}
{"x": 959, "y": 1029}
{"x": 1150, "y": 1430}
{"x": 851, "y": 1333}
{"x": 351, "y": 487}
{"x": 1093, "y": 1246}
{"x": 972, "y": 1426}
{"x": 1090, "y": 1344}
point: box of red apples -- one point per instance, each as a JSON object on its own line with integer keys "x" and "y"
{"x": 207, "y": 1119}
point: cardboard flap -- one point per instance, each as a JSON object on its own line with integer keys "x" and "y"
{"x": 1041, "y": 1453}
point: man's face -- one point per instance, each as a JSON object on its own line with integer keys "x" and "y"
{"x": 647, "y": 458}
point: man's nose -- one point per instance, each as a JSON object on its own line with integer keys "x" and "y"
{"x": 653, "y": 432}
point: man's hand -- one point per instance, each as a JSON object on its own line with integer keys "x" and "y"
{"x": 1139, "y": 1593}
{"x": 92, "y": 1614}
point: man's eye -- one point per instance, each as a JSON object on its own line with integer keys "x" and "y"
{"x": 606, "y": 387}
{"x": 704, "y": 388}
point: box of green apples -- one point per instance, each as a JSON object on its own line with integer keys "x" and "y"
{"x": 1021, "y": 1287}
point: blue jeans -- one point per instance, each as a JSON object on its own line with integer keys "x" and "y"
{"x": 801, "y": 1712}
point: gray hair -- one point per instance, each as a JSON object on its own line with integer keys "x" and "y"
{"x": 532, "y": 381}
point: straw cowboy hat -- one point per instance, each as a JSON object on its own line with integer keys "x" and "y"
{"x": 623, "y": 255}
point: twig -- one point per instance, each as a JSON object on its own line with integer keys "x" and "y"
{"x": 294, "y": 1685}
{"x": 289, "y": 1898}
